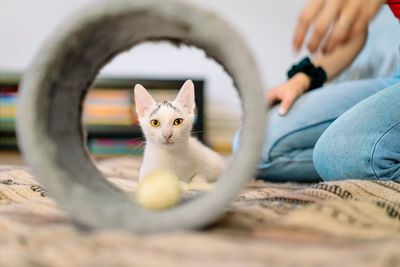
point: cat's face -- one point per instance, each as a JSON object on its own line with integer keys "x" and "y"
{"x": 166, "y": 123}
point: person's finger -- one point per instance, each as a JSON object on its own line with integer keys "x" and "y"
{"x": 366, "y": 15}
{"x": 343, "y": 26}
{"x": 272, "y": 97}
{"x": 322, "y": 24}
{"x": 306, "y": 17}
{"x": 286, "y": 103}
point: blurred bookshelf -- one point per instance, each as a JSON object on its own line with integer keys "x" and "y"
{"x": 108, "y": 114}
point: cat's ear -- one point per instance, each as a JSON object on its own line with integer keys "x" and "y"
{"x": 143, "y": 100}
{"x": 185, "y": 97}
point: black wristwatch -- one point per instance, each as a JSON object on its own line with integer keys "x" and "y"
{"x": 317, "y": 74}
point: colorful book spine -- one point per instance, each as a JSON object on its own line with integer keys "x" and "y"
{"x": 107, "y": 146}
{"x": 8, "y": 100}
{"x": 108, "y": 107}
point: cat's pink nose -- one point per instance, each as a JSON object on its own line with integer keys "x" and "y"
{"x": 167, "y": 135}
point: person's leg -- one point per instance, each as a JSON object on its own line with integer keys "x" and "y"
{"x": 363, "y": 143}
{"x": 288, "y": 148}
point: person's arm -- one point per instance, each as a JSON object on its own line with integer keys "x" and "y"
{"x": 333, "y": 64}
{"x": 340, "y": 58}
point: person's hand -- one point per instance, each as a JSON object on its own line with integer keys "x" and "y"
{"x": 334, "y": 22}
{"x": 288, "y": 92}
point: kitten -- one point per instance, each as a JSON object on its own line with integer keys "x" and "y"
{"x": 166, "y": 127}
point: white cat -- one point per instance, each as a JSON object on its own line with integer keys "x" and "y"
{"x": 167, "y": 127}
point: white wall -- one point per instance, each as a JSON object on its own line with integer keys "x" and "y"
{"x": 266, "y": 25}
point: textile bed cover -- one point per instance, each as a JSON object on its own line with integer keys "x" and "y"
{"x": 346, "y": 223}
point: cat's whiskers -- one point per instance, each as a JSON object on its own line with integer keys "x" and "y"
{"x": 137, "y": 138}
{"x": 196, "y": 132}
{"x": 138, "y": 148}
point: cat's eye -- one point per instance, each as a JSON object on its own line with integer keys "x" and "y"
{"x": 155, "y": 123}
{"x": 178, "y": 121}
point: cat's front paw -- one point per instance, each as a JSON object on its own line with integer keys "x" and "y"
{"x": 197, "y": 184}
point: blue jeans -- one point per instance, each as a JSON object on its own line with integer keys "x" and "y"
{"x": 349, "y": 130}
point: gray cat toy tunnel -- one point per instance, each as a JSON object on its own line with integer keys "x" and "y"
{"x": 50, "y": 130}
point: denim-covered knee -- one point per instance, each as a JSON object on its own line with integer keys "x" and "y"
{"x": 322, "y": 158}
{"x": 339, "y": 156}
{"x": 363, "y": 142}
{"x": 336, "y": 156}
{"x": 342, "y": 153}
{"x": 386, "y": 155}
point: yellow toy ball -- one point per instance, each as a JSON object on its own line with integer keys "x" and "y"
{"x": 158, "y": 190}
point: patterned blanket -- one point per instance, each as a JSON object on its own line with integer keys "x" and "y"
{"x": 348, "y": 223}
